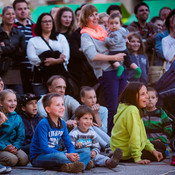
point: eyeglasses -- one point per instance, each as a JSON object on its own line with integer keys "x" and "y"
{"x": 45, "y": 22}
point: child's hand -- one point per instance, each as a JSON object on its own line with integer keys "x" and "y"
{"x": 73, "y": 157}
{"x": 95, "y": 108}
{"x": 3, "y": 118}
{"x": 10, "y": 148}
{"x": 95, "y": 124}
{"x": 93, "y": 154}
{"x": 71, "y": 124}
{"x": 14, "y": 150}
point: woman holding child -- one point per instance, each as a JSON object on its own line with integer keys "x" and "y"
{"x": 128, "y": 132}
{"x": 94, "y": 48}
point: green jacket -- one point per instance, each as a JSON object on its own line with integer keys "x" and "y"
{"x": 129, "y": 133}
{"x": 12, "y": 132}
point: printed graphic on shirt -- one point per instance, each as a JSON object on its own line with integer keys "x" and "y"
{"x": 54, "y": 137}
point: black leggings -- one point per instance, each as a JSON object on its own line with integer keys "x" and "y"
{"x": 159, "y": 146}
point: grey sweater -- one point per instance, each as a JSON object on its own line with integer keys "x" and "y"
{"x": 117, "y": 40}
{"x": 90, "y": 48}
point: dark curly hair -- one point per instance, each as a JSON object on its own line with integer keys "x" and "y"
{"x": 38, "y": 29}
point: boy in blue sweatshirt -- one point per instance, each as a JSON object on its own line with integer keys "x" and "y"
{"x": 45, "y": 142}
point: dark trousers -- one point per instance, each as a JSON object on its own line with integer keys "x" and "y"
{"x": 159, "y": 146}
{"x": 112, "y": 87}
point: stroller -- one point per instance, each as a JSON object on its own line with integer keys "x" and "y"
{"x": 165, "y": 87}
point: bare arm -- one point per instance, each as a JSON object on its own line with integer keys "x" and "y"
{"x": 53, "y": 61}
{"x": 96, "y": 108}
{"x": 102, "y": 57}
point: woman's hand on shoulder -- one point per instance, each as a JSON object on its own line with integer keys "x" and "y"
{"x": 158, "y": 155}
{"x": 119, "y": 56}
{"x": 144, "y": 162}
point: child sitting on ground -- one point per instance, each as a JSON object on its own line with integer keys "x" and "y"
{"x": 100, "y": 122}
{"x": 84, "y": 137}
{"x": 3, "y": 169}
{"x": 116, "y": 41}
{"x": 88, "y": 97}
{"x": 12, "y": 132}
{"x": 157, "y": 124}
{"x": 45, "y": 142}
{"x": 30, "y": 117}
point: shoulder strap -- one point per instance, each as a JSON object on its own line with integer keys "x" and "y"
{"x": 47, "y": 43}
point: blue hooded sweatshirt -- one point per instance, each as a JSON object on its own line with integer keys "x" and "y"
{"x": 12, "y": 132}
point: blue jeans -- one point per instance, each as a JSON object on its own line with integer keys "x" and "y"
{"x": 55, "y": 160}
{"x": 102, "y": 137}
{"x": 112, "y": 87}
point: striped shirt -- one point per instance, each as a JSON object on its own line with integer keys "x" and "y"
{"x": 158, "y": 125}
{"x": 85, "y": 139}
{"x": 27, "y": 29}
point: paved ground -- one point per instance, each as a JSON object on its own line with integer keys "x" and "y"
{"x": 161, "y": 168}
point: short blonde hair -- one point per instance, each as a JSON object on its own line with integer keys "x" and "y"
{"x": 86, "y": 11}
{"x": 4, "y": 93}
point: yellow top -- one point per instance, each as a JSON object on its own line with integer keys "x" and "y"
{"x": 129, "y": 133}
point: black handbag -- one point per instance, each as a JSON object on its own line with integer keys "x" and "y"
{"x": 43, "y": 73}
{"x": 4, "y": 65}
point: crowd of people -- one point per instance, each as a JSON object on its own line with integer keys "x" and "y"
{"x": 73, "y": 87}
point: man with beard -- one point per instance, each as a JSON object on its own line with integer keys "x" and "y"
{"x": 146, "y": 30}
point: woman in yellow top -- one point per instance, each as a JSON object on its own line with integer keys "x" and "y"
{"x": 128, "y": 132}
